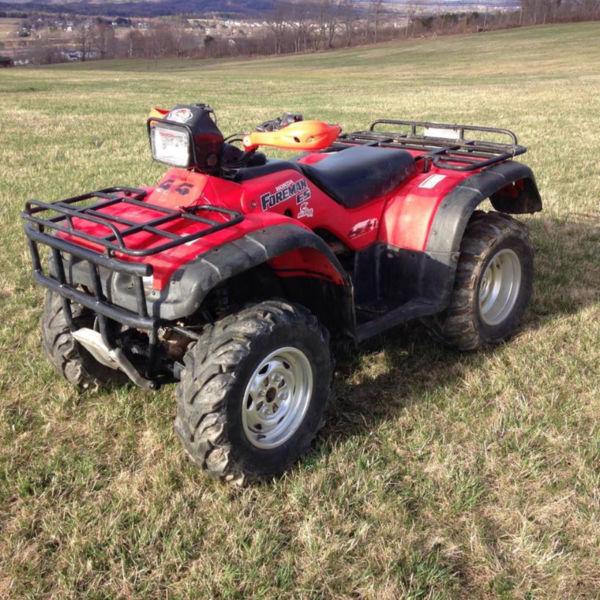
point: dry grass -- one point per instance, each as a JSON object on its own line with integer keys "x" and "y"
{"x": 8, "y": 28}
{"x": 439, "y": 475}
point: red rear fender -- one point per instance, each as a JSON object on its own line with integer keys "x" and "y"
{"x": 408, "y": 215}
{"x": 431, "y": 212}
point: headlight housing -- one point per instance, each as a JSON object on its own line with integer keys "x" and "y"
{"x": 171, "y": 144}
{"x": 187, "y": 136}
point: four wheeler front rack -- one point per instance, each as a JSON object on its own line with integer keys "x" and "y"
{"x": 44, "y": 220}
{"x": 444, "y": 145}
{"x": 74, "y": 208}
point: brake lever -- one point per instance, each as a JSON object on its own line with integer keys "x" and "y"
{"x": 279, "y": 122}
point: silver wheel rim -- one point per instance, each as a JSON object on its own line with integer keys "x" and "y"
{"x": 499, "y": 287}
{"x": 277, "y": 397}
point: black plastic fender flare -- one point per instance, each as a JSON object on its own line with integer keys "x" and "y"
{"x": 511, "y": 188}
{"x": 190, "y": 284}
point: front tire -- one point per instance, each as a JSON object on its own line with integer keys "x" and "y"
{"x": 69, "y": 358}
{"x": 253, "y": 391}
{"x": 493, "y": 284}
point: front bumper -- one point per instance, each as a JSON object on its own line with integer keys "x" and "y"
{"x": 80, "y": 266}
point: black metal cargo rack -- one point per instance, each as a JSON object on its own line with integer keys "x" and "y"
{"x": 67, "y": 210}
{"x": 456, "y": 151}
{"x": 58, "y": 217}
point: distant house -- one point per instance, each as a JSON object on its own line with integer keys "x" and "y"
{"x": 121, "y": 22}
{"x": 72, "y": 55}
{"x": 6, "y": 61}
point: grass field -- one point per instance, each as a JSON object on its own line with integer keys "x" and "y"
{"x": 439, "y": 475}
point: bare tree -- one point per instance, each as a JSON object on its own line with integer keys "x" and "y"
{"x": 278, "y": 25}
{"x": 43, "y": 52}
{"x": 300, "y": 30}
{"x": 348, "y": 18}
{"x": 103, "y": 40}
{"x": 376, "y": 14}
{"x": 136, "y": 46}
{"x": 84, "y": 39}
{"x": 544, "y": 11}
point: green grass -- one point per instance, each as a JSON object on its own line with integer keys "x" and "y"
{"x": 439, "y": 475}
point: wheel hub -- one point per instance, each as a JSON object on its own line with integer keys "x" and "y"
{"x": 499, "y": 287}
{"x": 277, "y": 397}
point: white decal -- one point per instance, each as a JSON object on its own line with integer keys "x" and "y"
{"x": 290, "y": 189}
{"x": 180, "y": 115}
{"x": 363, "y": 227}
{"x": 305, "y": 211}
{"x": 432, "y": 181}
{"x": 442, "y": 133}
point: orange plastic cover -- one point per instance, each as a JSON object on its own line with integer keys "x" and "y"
{"x": 158, "y": 113}
{"x": 302, "y": 135}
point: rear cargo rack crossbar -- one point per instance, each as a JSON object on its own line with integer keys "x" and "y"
{"x": 115, "y": 241}
{"x": 455, "y": 152}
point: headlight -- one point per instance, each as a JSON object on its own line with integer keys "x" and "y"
{"x": 171, "y": 144}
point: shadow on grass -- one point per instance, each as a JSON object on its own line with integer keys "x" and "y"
{"x": 567, "y": 266}
{"x": 405, "y": 366}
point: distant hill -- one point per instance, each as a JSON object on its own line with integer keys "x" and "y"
{"x": 153, "y": 8}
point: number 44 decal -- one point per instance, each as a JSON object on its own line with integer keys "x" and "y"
{"x": 183, "y": 188}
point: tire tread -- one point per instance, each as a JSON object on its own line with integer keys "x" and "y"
{"x": 458, "y": 326}
{"x": 68, "y": 358}
{"x": 210, "y": 370}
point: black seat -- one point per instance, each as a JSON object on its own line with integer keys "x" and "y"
{"x": 358, "y": 174}
{"x": 272, "y": 165}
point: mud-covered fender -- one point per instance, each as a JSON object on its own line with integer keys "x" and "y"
{"x": 510, "y": 187}
{"x": 189, "y": 285}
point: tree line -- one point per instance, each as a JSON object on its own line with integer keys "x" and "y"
{"x": 536, "y": 12}
{"x": 302, "y": 27}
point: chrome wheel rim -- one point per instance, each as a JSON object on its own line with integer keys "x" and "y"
{"x": 499, "y": 287}
{"x": 277, "y": 397}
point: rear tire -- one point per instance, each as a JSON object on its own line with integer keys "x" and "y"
{"x": 253, "y": 391}
{"x": 493, "y": 285}
{"x": 69, "y": 358}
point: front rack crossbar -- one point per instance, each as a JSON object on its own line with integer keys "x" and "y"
{"x": 447, "y": 146}
{"x": 55, "y": 279}
{"x": 36, "y": 213}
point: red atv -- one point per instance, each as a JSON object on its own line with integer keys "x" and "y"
{"x": 235, "y": 273}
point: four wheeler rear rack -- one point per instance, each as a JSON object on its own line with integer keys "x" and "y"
{"x": 446, "y": 146}
{"x": 59, "y": 216}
